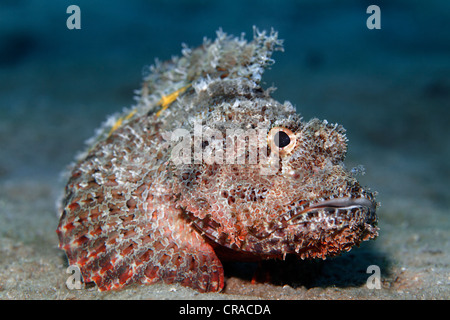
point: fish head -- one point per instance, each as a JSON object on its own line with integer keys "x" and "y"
{"x": 283, "y": 190}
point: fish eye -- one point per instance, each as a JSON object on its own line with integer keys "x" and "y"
{"x": 281, "y": 140}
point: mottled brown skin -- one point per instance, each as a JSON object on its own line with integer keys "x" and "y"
{"x": 131, "y": 213}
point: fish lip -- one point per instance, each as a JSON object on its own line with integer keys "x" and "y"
{"x": 363, "y": 203}
{"x": 344, "y": 203}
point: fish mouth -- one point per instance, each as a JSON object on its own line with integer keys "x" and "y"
{"x": 317, "y": 228}
{"x": 333, "y": 213}
{"x": 345, "y": 203}
{"x": 342, "y": 208}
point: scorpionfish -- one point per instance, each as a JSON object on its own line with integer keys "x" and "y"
{"x": 207, "y": 166}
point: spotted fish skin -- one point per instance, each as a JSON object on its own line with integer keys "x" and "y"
{"x": 132, "y": 212}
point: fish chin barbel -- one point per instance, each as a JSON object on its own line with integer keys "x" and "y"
{"x": 132, "y": 214}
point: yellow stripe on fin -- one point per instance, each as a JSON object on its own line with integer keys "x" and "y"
{"x": 130, "y": 114}
{"x": 165, "y": 101}
{"x": 120, "y": 121}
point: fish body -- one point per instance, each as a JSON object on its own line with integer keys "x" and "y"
{"x": 208, "y": 166}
